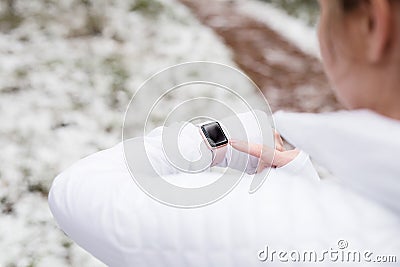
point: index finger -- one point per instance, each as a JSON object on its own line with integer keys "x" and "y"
{"x": 249, "y": 148}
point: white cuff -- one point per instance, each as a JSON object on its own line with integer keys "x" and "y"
{"x": 301, "y": 166}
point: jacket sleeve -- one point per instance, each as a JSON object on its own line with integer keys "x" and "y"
{"x": 97, "y": 204}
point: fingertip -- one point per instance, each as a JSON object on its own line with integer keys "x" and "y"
{"x": 239, "y": 145}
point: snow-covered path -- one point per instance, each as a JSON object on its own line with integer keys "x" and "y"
{"x": 278, "y": 52}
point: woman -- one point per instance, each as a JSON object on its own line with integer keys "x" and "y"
{"x": 97, "y": 205}
{"x": 360, "y": 48}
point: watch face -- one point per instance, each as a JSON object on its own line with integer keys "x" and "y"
{"x": 214, "y": 134}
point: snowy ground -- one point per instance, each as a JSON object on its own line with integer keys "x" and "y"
{"x": 68, "y": 71}
{"x": 294, "y": 30}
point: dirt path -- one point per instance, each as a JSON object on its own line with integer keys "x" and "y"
{"x": 290, "y": 79}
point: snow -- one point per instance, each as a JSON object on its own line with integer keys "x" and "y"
{"x": 296, "y": 31}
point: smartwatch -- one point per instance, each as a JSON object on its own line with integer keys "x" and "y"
{"x": 215, "y": 139}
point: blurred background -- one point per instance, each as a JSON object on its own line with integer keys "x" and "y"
{"x": 68, "y": 69}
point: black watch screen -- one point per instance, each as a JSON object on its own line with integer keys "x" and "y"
{"x": 214, "y": 134}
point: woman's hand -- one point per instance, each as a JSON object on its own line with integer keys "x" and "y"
{"x": 266, "y": 154}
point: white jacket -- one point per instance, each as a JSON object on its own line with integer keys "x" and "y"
{"x": 97, "y": 204}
